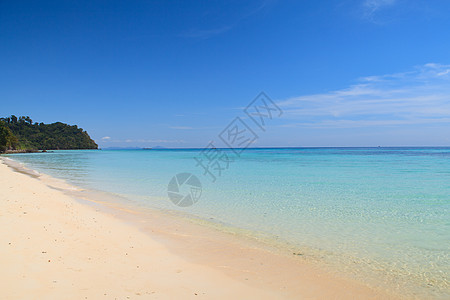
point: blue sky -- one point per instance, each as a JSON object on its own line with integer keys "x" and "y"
{"x": 175, "y": 73}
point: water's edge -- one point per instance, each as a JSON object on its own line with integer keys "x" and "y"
{"x": 131, "y": 212}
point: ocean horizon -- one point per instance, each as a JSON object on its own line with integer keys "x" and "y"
{"x": 380, "y": 212}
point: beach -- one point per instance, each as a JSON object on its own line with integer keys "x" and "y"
{"x": 225, "y": 150}
{"x": 54, "y": 246}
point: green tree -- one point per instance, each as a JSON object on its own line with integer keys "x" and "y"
{"x": 46, "y": 136}
{"x": 7, "y": 139}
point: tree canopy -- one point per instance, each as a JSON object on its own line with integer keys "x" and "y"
{"x": 7, "y": 138}
{"x": 22, "y": 134}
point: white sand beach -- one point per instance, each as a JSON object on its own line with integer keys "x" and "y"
{"x": 55, "y": 247}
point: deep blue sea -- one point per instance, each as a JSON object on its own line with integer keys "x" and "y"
{"x": 383, "y": 211}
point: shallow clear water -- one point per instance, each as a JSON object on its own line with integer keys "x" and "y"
{"x": 380, "y": 210}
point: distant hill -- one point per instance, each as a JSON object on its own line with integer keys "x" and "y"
{"x": 22, "y": 134}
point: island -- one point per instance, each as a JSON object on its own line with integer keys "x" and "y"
{"x": 20, "y": 134}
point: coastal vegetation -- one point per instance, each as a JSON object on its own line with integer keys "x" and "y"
{"x": 7, "y": 138}
{"x": 20, "y": 133}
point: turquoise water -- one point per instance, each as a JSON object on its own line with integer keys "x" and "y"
{"x": 378, "y": 211}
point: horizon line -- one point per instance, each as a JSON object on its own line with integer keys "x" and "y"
{"x": 256, "y": 148}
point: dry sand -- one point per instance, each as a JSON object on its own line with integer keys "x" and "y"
{"x": 55, "y": 247}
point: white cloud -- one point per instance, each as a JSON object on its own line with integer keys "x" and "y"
{"x": 421, "y": 96}
{"x": 180, "y": 127}
{"x": 210, "y": 32}
{"x": 377, "y": 4}
{"x": 371, "y": 6}
{"x": 371, "y": 9}
{"x": 162, "y": 141}
{"x": 141, "y": 141}
{"x": 206, "y": 33}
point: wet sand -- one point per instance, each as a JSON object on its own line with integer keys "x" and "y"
{"x": 56, "y": 246}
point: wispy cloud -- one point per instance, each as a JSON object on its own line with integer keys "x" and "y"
{"x": 141, "y": 141}
{"x": 420, "y": 96}
{"x": 160, "y": 141}
{"x": 181, "y": 127}
{"x": 370, "y": 9}
{"x": 111, "y": 141}
{"x": 205, "y": 33}
{"x": 372, "y": 6}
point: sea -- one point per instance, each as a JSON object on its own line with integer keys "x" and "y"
{"x": 380, "y": 213}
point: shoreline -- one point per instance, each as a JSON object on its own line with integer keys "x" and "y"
{"x": 237, "y": 268}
